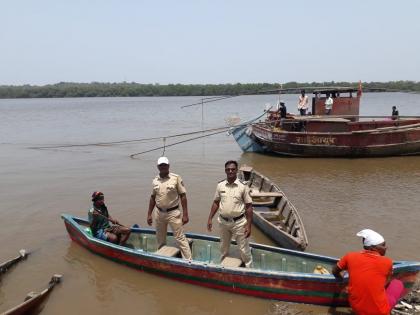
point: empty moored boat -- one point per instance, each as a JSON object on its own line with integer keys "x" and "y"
{"x": 4, "y": 267}
{"x": 273, "y": 213}
{"x": 34, "y": 301}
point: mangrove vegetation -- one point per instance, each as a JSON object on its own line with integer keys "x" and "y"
{"x": 126, "y": 89}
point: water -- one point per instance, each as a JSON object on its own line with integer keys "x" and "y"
{"x": 335, "y": 197}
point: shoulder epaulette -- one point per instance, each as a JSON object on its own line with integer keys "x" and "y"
{"x": 221, "y": 180}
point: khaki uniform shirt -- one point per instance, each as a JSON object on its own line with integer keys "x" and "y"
{"x": 167, "y": 190}
{"x": 232, "y": 197}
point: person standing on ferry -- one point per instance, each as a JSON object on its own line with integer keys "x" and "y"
{"x": 328, "y": 104}
{"x": 303, "y": 103}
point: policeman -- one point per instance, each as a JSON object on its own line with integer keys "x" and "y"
{"x": 168, "y": 191}
{"x": 234, "y": 202}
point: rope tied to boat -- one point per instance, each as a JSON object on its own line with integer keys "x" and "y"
{"x": 164, "y": 146}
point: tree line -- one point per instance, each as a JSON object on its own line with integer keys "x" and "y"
{"x": 125, "y": 89}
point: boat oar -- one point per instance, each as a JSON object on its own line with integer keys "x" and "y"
{"x": 101, "y": 215}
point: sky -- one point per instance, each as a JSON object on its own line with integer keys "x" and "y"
{"x": 208, "y": 41}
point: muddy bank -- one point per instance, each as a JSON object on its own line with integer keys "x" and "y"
{"x": 410, "y": 304}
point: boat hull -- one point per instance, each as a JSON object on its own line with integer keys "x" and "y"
{"x": 245, "y": 139}
{"x": 346, "y": 144}
{"x": 4, "y": 267}
{"x": 34, "y": 302}
{"x": 287, "y": 286}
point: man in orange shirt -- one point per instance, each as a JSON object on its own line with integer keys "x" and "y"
{"x": 370, "y": 292}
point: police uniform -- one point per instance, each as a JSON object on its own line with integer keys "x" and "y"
{"x": 232, "y": 217}
{"x": 166, "y": 192}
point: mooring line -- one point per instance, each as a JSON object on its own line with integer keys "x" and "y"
{"x": 128, "y": 141}
{"x": 175, "y": 143}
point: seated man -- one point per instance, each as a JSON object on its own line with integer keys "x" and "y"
{"x": 100, "y": 219}
{"x": 370, "y": 288}
{"x": 395, "y": 113}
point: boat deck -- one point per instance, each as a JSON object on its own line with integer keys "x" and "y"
{"x": 209, "y": 252}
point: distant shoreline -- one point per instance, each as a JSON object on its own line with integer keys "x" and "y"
{"x": 125, "y": 89}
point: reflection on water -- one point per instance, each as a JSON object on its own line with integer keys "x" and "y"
{"x": 335, "y": 197}
{"x": 99, "y": 277}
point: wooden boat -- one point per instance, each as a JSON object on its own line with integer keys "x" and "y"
{"x": 342, "y": 134}
{"x": 4, "y": 267}
{"x": 277, "y": 273}
{"x": 34, "y": 301}
{"x": 273, "y": 213}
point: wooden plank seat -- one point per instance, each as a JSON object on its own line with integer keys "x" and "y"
{"x": 168, "y": 251}
{"x": 246, "y": 168}
{"x": 231, "y": 262}
{"x": 171, "y": 251}
{"x": 266, "y": 194}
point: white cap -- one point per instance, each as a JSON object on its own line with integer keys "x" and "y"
{"x": 370, "y": 237}
{"x": 163, "y": 160}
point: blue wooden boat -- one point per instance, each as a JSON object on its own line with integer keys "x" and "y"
{"x": 243, "y": 135}
{"x": 277, "y": 273}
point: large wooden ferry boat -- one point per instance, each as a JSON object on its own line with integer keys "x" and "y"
{"x": 342, "y": 133}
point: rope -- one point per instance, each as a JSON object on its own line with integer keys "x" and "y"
{"x": 164, "y": 146}
{"x": 179, "y": 142}
{"x": 127, "y": 141}
{"x": 199, "y": 137}
{"x": 211, "y": 99}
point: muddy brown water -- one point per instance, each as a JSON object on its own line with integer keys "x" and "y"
{"x": 335, "y": 197}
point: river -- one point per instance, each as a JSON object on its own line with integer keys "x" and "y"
{"x": 335, "y": 197}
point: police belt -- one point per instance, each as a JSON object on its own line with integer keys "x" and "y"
{"x": 169, "y": 209}
{"x": 233, "y": 219}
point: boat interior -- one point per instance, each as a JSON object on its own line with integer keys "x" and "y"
{"x": 270, "y": 203}
{"x": 206, "y": 249}
{"x": 263, "y": 191}
{"x": 340, "y": 124}
{"x": 343, "y": 118}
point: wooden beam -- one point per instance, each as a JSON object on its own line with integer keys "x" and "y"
{"x": 266, "y": 194}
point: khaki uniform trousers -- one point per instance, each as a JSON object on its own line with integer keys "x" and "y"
{"x": 173, "y": 218}
{"x": 229, "y": 229}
